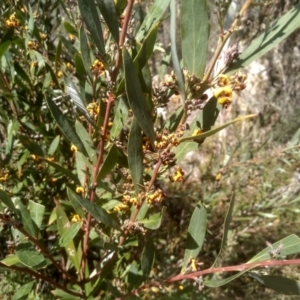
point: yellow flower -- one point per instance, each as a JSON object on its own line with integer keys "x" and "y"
{"x": 197, "y": 132}
{"x": 79, "y": 190}
{"x": 60, "y": 74}
{"x": 223, "y": 80}
{"x": 178, "y": 176}
{"x": 97, "y": 67}
{"x": 43, "y": 36}
{"x": 218, "y": 177}
{"x": 156, "y": 197}
{"x": 224, "y": 95}
{"x": 74, "y": 148}
{"x": 75, "y": 218}
{"x": 121, "y": 207}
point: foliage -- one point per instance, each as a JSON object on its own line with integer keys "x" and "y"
{"x": 86, "y": 153}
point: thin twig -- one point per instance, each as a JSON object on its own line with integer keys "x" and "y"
{"x": 225, "y": 37}
{"x": 43, "y": 277}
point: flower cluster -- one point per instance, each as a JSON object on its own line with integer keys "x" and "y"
{"x": 97, "y": 68}
{"x": 12, "y": 21}
{"x": 33, "y": 45}
{"x": 226, "y": 85}
{"x": 155, "y": 197}
{"x": 178, "y": 176}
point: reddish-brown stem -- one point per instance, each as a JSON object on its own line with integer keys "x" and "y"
{"x": 127, "y": 17}
{"x": 110, "y": 101}
{"x": 242, "y": 267}
{"x": 130, "y": 224}
{"x": 43, "y": 277}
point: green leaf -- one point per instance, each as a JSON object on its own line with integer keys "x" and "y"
{"x": 196, "y": 235}
{"x": 183, "y": 149}
{"x": 134, "y": 275}
{"x": 76, "y": 205}
{"x": 154, "y": 221}
{"x": 91, "y": 19}
{"x": 226, "y": 226}
{"x": 30, "y": 257}
{"x": 111, "y": 204}
{"x": 79, "y": 66}
{"x": 69, "y": 234}
{"x": 63, "y": 224}
{"x": 86, "y": 141}
{"x": 23, "y": 291}
{"x": 271, "y": 37}
{"x": 10, "y": 260}
{"x": 82, "y": 166}
{"x": 148, "y": 257}
{"x": 206, "y": 134}
{"x": 109, "y": 13}
{"x": 26, "y": 219}
{"x": 69, "y": 46}
{"x": 120, "y": 117}
{"x": 143, "y": 211}
{"x": 194, "y": 35}
{"x": 291, "y": 245}
{"x": 23, "y": 75}
{"x": 174, "y": 54}
{"x": 32, "y": 146}
{"x": 97, "y": 211}
{"x": 135, "y": 155}
{"x": 8, "y": 202}
{"x": 65, "y": 126}
{"x": 136, "y": 98}
{"x": 153, "y": 16}
{"x": 85, "y": 51}
{"x": 144, "y": 53}
{"x": 4, "y": 46}
{"x": 146, "y": 49}
{"x": 62, "y": 170}
{"x": 53, "y": 146}
{"x": 109, "y": 163}
{"x": 279, "y": 284}
{"x": 70, "y": 29}
{"x": 36, "y": 212}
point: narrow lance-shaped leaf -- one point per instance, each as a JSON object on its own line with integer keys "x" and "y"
{"x": 148, "y": 258}
{"x": 86, "y": 141}
{"x": 143, "y": 55}
{"x": 226, "y": 227}
{"x": 153, "y": 16}
{"x": 271, "y": 37}
{"x": 279, "y": 284}
{"x": 63, "y": 224}
{"x": 215, "y": 130}
{"x": 65, "y": 126}
{"x": 135, "y": 154}
{"x": 136, "y": 97}
{"x": 175, "y": 59}
{"x": 24, "y": 291}
{"x": 85, "y": 52}
{"x": 29, "y": 256}
{"x": 194, "y": 35}
{"x": 91, "y": 18}
{"x": 78, "y": 102}
{"x": 154, "y": 221}
{"x": 109, "y": 163}
{"x": 291, "y": 245}
{"x": 96, "y": 211}
{"x": 109, "y": 13}
{"x": 196, "y": 235}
